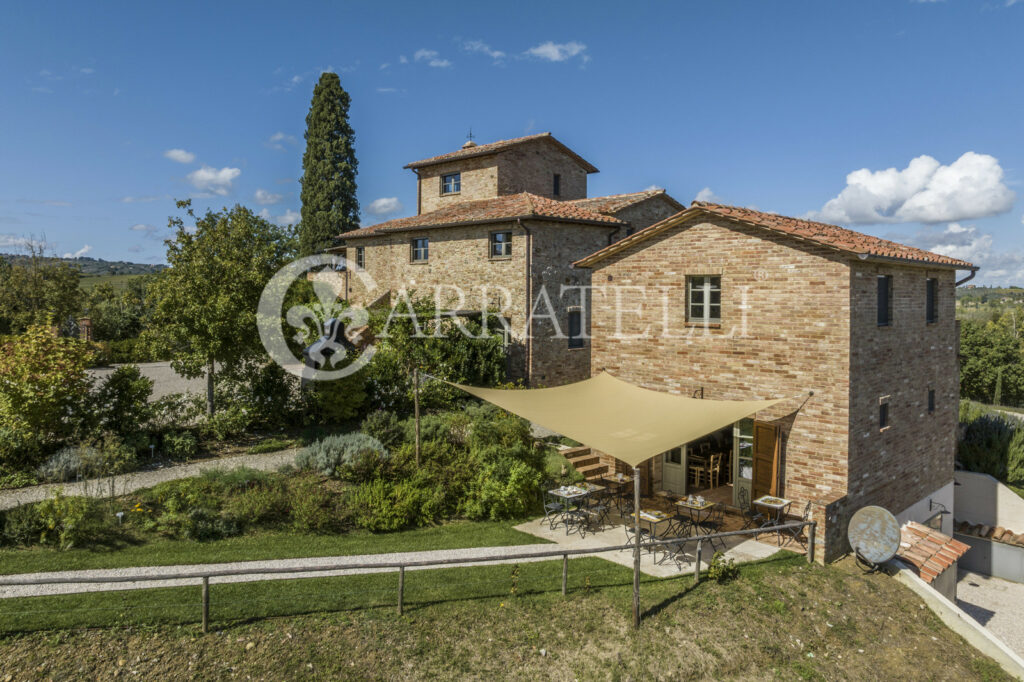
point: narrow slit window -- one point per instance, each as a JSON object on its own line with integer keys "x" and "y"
{"x": 884, "y": 300}
{"x": 883, "y": 414}
{"x": 556, "y": 189}
{"x": 575, "y": 329}
{"x": 931, "y": 300}
{"x": 361, "y": 256}
{"x": 931, "y": 400}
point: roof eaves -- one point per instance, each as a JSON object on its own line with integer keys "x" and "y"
{"x": 614, "y": 222}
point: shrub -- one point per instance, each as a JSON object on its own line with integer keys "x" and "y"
{"x": 65, "y": 521}
{"x": 22, "y": 525}
{"x": 180, "y": 444}
{"x": 204, "y": 524}
{"x": 381, "y": 506}
{"x": 505, "y": 486}
{"x": 176, "y": 411}
{"x": 267, "y": 393}
{"x": 721, "y": 569}
{"x": 335, "y": 402}
{"x": 235, "y": 480}
{"x": 67, "y": 464}
{"x": 985, "y": 446}
{"x": 15, "y": 478}
{"x": 354, "y": 456}
{"x": 385, "y": 427}
{"x": 310, "y": 506}
{"x": 122, "y": 400}
{"x": 228, "y": 423}
{"x": 259, "y": 505}
{"x": 18, "y": 445}
{"x": 271, "y": 445}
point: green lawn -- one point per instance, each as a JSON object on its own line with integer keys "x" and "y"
{"x": 781, "y": 619}
{"x": 266, "y": 545}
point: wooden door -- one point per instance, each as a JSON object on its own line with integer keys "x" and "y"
{"x": 766, "y": 460}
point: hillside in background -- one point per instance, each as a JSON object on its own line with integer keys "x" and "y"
{"x": 91, "y": 267}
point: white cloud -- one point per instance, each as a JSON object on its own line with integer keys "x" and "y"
{"x": 558, "y": 52}
{"x": 180, "y": 155}
{"x": 402, "y": 59}
{"x": 295, "y": 80}
{"x": 265, "y": 214}
{"x": 384, "y": 206}
{"x": 148, "y": 231}
{"x": 45, "y": 202}
{"x": 12, "y": 240}
{"x": 483, "y": 48}
{"x": 925, "y": 191}
{"x": 42, "y": 89}
{"x": 386, "y": 91}
{"x": 651, "y": 188}
{"x": 707, "y": 195}
{"x": 88, "y": 71}
{"x": 213, "y": 180}
{"x": 78, "y": 254}
{"x": 278, "y": 140}
{"x": 263, "y": 197}
{"x": 966, "y": 242}
{"x": 290, "y": 217}
{"x": 432, "y": 58}
{"x": 384, "y": 66}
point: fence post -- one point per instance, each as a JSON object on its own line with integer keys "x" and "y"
{"x": 401, "y": 589}
{"x": 636, "y": 547}
{"x": 810, "y": 542}
{"x": 696, "y": 571}
{"x": 206, "y": 604}
{"x": 565, "y": 571}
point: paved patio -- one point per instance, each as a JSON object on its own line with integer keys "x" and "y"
{"x": 739, "y": 548}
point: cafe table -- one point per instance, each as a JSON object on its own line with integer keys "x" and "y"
{"x": 699, "y": 511}
{"x": 573, "y": 497}
{"x": 777, "y": 508}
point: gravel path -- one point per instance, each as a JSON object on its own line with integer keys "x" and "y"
{"x": 9, "y": 591}
{"x": 995, "y": 603}
{"x": 126, "y": 483}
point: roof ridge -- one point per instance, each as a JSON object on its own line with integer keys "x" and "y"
{"x": 660, "y": 190}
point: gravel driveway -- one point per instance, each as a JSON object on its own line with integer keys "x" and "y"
{"x": 165, "y": 380}
{"x": 126, "y": 483}
{"x": 995, "y": 603}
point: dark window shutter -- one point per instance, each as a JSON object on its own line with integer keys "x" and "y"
{"x": 883, "y": 300}
{"x": 575, "y": 329}
{"x": 930, "y": 302}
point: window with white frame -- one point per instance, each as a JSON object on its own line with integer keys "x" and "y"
{"x": 420, "y": 247}
{"x": 451, "y": 183}
{"x": 361, "y": 256}
{"x": 704, "y": 299}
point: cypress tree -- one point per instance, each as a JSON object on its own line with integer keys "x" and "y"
{"x": 329, "y": 204}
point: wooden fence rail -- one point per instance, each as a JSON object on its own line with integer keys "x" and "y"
{"x": 400, "y": 566}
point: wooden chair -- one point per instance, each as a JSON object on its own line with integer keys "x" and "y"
{"x": 714, "y": 470}
{"x": 751, "y": 518}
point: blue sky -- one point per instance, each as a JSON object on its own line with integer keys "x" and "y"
{"x": 112, "y": 110}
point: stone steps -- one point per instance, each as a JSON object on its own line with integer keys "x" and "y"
{"x": 586, "y": 462}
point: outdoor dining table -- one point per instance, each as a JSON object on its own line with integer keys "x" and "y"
{"x": 699, "y": 511}
{"x": 573, "y": 496}
{"x": 777, "y": 507}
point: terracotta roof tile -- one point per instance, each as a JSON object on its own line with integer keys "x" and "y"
{"x": 928, "y": 551}
{"x": 832, "y": 236}
{"x": 509, "y": 207}
{"x": 614, "y": 203}
{"x": 500, "y": 145}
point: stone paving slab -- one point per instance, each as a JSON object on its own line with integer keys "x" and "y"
{"x": 995, "y": 603}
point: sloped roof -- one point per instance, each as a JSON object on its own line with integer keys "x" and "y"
{"x": 928, "y": 551}
{"x": 832, "y": 236}
{"x": 500, "y": 145}
{"x": 613, "y": 203}
{"x": 508, "y": 207}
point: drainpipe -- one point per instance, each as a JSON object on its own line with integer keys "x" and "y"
{"x": 419, "y": 200}
{"x": 529, "y": 301}
{"x": 968, "y": 278}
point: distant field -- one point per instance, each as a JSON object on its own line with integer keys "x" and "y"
{"x": 119, "y": 282}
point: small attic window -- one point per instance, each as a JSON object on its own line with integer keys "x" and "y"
{"x": 556, "y": 188}
{"x": 451, "y": 183}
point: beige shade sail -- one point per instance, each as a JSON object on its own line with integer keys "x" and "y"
{"x": 630, "y": 423}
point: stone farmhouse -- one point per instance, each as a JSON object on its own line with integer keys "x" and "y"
{"x": 769, "y": 306}
{"x": 500, "y": 222}
{"x": 711, "y": 301}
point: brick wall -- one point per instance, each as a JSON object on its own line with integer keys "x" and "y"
{"x": 775, "y": 338}
{"x": 913, "y": 457}
{"x": 644, "y": 214}
{"x": 530, "y": 167}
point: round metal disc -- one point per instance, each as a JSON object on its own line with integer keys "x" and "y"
{"x": 875, "y": 534}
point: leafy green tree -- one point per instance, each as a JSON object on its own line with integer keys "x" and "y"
{"x": 205, "y": 303}
{"x": 118, "y": 315}
{"x": 43, "y": 383}
{"x": 329, "y": 204}
{"x": 992, "y": 362}
{"x": 38, "y": 290}
{"x": 412, "y": 335}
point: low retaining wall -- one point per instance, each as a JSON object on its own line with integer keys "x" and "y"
{"x": 996, "y": 559}
{"x": 981, "y": 499}
{"x": 957, "y": 620}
